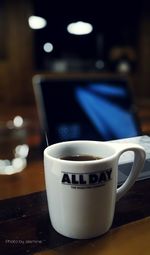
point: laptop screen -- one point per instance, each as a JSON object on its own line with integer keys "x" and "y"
{"x": 74, "y": 109}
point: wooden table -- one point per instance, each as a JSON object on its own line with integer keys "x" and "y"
{"x": 25, "y": 226}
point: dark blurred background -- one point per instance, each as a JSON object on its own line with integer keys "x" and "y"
{"x": 119, "y": 43}
{"x": 115, "y": 25}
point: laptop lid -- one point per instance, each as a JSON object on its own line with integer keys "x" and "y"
{"x": 85, "y": 107}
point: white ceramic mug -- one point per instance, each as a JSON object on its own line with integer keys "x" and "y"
{"x": 82, "y": 194}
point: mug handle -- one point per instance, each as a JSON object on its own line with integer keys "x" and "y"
{"x": 138, "y": 163}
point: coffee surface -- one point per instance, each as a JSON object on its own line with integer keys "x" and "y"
{"x": 80, "y": 158}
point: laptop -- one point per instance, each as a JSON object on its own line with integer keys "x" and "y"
{"x": 74, "y": 107}
{"x": 88, "y": 107}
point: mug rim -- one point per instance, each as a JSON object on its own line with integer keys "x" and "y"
{"x": 101, "y": 160}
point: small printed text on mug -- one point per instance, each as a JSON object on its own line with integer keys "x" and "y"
{"x": 86, "y": 180}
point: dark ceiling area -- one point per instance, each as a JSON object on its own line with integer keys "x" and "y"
{"x": 115, "y": 23}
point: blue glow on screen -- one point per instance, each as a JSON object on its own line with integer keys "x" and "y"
{"x": 106, "y": 89}
{"x": 108, "y": 118}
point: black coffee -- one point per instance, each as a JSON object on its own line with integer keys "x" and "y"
{"x": 80, "y": 158}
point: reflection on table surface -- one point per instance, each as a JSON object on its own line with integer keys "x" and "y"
{"x": 20, "y": 153}
{"x": 132, "y": 238}
{"x": 30, "y": 180}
